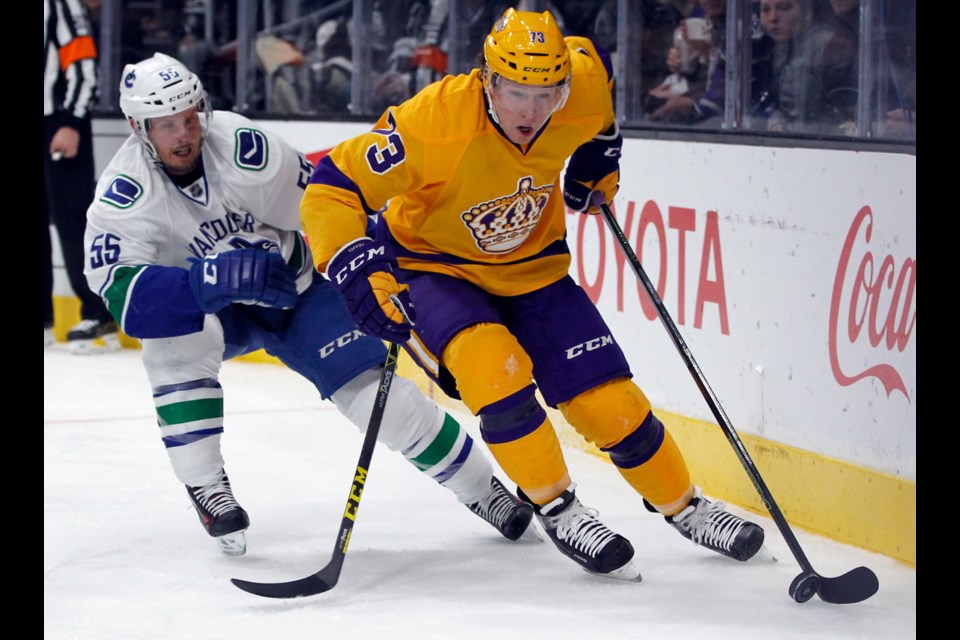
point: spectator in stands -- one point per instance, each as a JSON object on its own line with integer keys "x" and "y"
{"x": 433, "y": 33}
{"x": 814, "y": 76}
{"x": 700, "y": 95}
{"x": 687, "y": 61}
{"x": 898, "y": 65}
{"x": 704, "y": 100}
{"x": 779, "y": 22}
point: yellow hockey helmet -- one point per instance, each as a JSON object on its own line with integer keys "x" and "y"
{"x": 527, "y": 48}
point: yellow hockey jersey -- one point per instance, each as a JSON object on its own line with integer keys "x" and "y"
{"x": 461, "y": 198}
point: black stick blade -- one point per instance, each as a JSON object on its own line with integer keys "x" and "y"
{"x": 855, "y": 585}
{"x": 327, "y": 578}
{"x": 309, "y": 586}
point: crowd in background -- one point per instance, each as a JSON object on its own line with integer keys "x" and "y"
{"x": 823, "y": 69}
{"x": 803, "y": 75}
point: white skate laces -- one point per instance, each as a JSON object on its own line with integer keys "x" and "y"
{"x": 507, "y": 514}
{"x": 710, "y": 525}
{"x": 221, "y": 515}
{"x": 578, "y": 527}
{"x": 579, "y": 535}
{"x": 216, "y": 498}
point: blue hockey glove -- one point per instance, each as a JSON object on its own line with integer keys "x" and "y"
{"x": 594, "y": 166}
{"x": 367, "y": 275}
{"x": 252, "y": 276}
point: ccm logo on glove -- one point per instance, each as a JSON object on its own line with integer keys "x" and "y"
{"x": 362, "y": 254}
{"x": 367, "y": 275}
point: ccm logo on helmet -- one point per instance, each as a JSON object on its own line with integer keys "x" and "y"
{"x": 536, "y": 69}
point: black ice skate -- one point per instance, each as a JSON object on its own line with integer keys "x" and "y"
{"x": 577, "y": 533}
{"x": 220, "y": 515}
{"x": 710, "y": 526}
{"x": 508, "y": 514}
{"x": 93, "y": 336}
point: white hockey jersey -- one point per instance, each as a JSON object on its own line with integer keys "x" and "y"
{"x": 144, "y": 232}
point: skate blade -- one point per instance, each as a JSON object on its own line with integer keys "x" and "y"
{"x": 629, "y": 572}
{"x": 106, "y": 344}
{"x": 532, "y": 534}
{"x": 233, "y": 544}
{"x": 763, "y": 554}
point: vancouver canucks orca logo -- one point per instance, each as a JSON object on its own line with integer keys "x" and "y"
{"x": 503, "y": 224}
{"x": 122, "y": 192}
{"x": 129, "y": 79}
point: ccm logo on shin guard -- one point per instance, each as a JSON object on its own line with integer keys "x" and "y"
{"x": 589, "y": 345}
{"x": 342, "y": 341}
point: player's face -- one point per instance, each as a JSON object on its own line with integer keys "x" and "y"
{"x": 522, "y": 109}
{"x": 177, "y": 139}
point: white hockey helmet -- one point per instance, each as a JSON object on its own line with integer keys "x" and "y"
{"x": 160, "y": 86}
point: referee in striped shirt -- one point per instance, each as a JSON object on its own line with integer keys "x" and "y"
{"x": 69, "y": 93}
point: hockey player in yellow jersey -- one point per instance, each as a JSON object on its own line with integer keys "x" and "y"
{"x": 471, "y": 240}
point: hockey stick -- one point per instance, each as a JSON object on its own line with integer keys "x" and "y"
{"x": 854, "y": 586}
{"x": 327, "y": 577}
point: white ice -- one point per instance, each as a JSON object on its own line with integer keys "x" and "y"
{"x": 124, "y": 556}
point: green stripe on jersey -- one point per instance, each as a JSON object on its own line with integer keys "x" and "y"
{"x": 116, "y": 293}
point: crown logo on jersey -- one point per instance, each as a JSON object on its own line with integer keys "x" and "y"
{"x": 503, "y": 224}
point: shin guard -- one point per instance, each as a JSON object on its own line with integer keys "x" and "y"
{"x": 645, "y": 455}
{"x": 663, "y": 480}
{"x": 524, "y": 442}
{"x": 495, "y": 379}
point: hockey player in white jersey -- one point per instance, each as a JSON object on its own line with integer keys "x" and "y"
{"x": 193, "y": 241}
